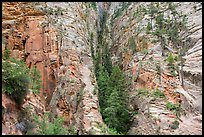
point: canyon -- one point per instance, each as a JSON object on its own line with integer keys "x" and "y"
{"x": 56, "y": 38}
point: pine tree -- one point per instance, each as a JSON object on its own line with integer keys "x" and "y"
{"x": 91, "y": 44}
{"x": 113, "y": 98}
{"x": 160, "y": 30}
{"x": 103, "y": 85}
{"x": 117, "y": 112}
{"x": 107, "y": 60}
{"x": 149, "y": 27}
{"x": 152, "y": 11}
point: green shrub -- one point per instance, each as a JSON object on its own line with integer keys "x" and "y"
{"x": 142, "y": 91}
{"x": 149, "y": 27}
{"x": 35, "y": 83}
{"x": 158, "y": 68}
{"x": 151, "y": 59}
{"x": 113, "y": 131}
{"x": 132, "y": 44}
{"x": 133, "y": 113}
{"x": 17, "y": 78}
{"x": 172, "y": 72}
{"x": 158, "y": 93}
{"x": 145, "y": 51}
{"x": 174, "y": 125}
{"x": 93, "y": 5}
{"x": 172, "y": 107}
{"x": 170, "y": 59}
{"x": 49, "y": 125}
{"x": 6, "y": 54}
{"x": 72, "y": 131}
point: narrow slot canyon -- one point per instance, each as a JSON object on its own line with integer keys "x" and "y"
{"x": 101, "y": 68}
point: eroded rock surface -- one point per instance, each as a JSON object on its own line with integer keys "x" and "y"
{"x": 76, "y": 85}
{"x": 145, "y": 74}
{"x": 65, "y": 63}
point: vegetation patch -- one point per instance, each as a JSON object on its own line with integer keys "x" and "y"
{"x": 134, "y": 113}
{"x": 48, "y": 125}
{"x": 113, "y": 99}
{"x": 158, "y": 93}
{"x": 174, "y": 124}
{"x": 143, "y": 91}
{"x": 113, "y": 131}
{"x": 120, "y": 10}
{"x": 132, "y": 44}
{"x": 172, "y": 107}
{"x": 93, "y": 5}
{"x": 171, "y": 60}
{"x": 17, "y": 78}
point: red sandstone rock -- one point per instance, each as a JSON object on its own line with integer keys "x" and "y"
{"x": 26, "y": 35}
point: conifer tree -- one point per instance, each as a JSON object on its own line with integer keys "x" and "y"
{"x": 117, "y": 112}
{"x": 103, "y": 85}
{"x": 160, "y": 30}
{"x": 107, "y": 60}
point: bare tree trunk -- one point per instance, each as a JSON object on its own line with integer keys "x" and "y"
{"x": 181, "y": 72}
{"x": 162, "y": 45}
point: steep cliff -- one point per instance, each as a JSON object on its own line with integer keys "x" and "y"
{"x": 27, "y": 40}
{"x": 60, "y": 38}
{"x": 64, "y": 62}
{"x": 127, "y": 23}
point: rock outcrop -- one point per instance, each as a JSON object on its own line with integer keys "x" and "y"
{"x": 65, "y": 65}
{"x": 28, "y": 40}
{"x": 143, "y": 66}
{"x": 74, "y": 96}
{"x": 56, "y": 38}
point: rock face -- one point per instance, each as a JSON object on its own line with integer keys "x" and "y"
{"x": 66, "y": 66}
{"x": 144, "y": 73}
{"x": 13, "y": 116}
{"x": 9, "y": 112}
{"x": 74, "y": 96}
{"x": 193, "y": 64}
{"x": 28, "y": 40}
{"x": 55, "y": 37}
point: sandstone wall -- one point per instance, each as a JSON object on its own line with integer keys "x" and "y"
{"x": 28, "y": 40}
{"x": 65, "y": 62}
{"x": 74, "y": 96}
{"x": 61, "y": 51}
{"x": 133, "y": 24}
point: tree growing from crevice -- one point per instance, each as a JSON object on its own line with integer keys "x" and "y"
{"x": 152, "y": 11}
{"x": 177, "y": 34}
{"x": 17, "y": 78}
{"x": 160, "y": 31}
{"x": 171, "y": 30}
